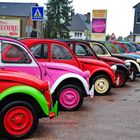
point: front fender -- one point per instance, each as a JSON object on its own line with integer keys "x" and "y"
{"x": 67, "y": 76}
{"x": 135, "y": 63}
{"x": 124, "y": 68}
{"x": 36, "y": 94}
{"x": 107, "y": 71}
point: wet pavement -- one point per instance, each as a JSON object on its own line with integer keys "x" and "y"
{"x": 113, "y": 117}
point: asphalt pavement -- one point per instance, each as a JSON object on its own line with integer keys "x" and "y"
{"x": 113, "y": 117}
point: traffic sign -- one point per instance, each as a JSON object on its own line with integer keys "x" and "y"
{"x": 37, "y": 13}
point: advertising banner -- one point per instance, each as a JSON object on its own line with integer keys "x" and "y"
{"x": 99, "y": 25}
{"x": 10, "y": 27}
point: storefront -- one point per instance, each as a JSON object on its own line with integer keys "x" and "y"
{"x": 17, "y": 22}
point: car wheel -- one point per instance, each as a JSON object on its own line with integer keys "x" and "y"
{"x": 70, "y": 98}
{"x": 18, "y": 120}
{"x": 102, "y": 85}
{"x": 121, "y": 78}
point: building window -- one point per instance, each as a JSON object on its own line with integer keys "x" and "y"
{"x": 78, "y": 35}
{"x": 138, "y": 17}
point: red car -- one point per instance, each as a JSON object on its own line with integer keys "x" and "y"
{"x": 125, "y": 47}
{"x": 83, "y": 49}
{"x": 102, "y": 75}
{"x": 24, "y": 99}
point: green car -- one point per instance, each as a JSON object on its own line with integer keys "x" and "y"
{"x": 24, "y": 99}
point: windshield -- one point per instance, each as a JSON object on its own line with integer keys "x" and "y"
{"x": 98, "y": 49}
{"x": 112, "y": 48}
{"x": 83, "y": 50}
{"x": 120, "y": 48}
{"x": 130, "y": 48}
{"x": 137, "y": 46}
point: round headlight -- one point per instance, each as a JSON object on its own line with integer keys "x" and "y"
{"x": 86, "y": 74}
{"x": 114, "y": 67}
{"x": 138, "y": 60}
{"x": 128, "y": 64}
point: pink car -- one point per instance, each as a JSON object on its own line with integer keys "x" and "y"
{"x": 68, "y": 83}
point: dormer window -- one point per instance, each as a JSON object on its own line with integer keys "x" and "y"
{"x": 138, "y": 17}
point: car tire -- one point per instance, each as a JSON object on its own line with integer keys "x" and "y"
{"x": 70, "y": 97}
{"x": 18, "y": 120}
{"x": 122, "y": 78}
{"x": 102, "y": 85}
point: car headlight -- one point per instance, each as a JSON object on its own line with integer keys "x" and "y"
{"x": 128, "y": 64}
{"x": 138, "y": 60}
{"x": 86, "y": 74}
{"x": 114, "y": 67}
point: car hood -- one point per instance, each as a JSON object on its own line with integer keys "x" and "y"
{"x": 122, "y": 56}
{"x": 136, "y": 56}
{"x": 24, "y": 78}
{"x": 112, "y": 59}
{"x": 63, "y": 66}
{"x": 94, "y": 62}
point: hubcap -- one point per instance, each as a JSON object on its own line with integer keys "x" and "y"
{"x": 69, "y": 98}
{"x": 18, "y": 120}
{"x": 101, "y": 85}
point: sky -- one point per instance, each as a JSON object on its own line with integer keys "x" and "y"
{"x": 120, "y": 13}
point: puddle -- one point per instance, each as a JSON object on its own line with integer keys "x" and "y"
{"x": 136, "y": 90}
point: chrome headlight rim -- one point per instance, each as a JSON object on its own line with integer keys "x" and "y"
{"x": 114, "y": 67}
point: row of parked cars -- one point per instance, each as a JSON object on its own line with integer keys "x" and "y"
{"x": 38, "y": 76}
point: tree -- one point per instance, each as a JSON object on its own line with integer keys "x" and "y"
{"x": 120, "y": 38}
{"x": 58, "y": 13}
{"x": 107, "y": 37}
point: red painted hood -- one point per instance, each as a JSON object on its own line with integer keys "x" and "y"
{"x": 24, "y": 78}
{"x": 112, "y": 59}
{"x": 94, "y": 62}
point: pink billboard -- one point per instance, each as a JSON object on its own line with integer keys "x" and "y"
{"x": 98, "y": 25}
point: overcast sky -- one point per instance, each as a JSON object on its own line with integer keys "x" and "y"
{"x": 120, "y": 16}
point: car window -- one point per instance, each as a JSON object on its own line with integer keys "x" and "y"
{"x": 120, "y": 48}
{"x": 36, "y": 50}
{"x": 60, "y": 52}
{"x": 111, "y": 48}
{"x": 83, "y": 50}
{"x": 45, "y": 52}
{"x": 98, "y": 49}
{"x": 130, "y": 48}
{"x": 12, "y": 53}
{"x": 137, "y": 46}
{"x": 40, "y": 50}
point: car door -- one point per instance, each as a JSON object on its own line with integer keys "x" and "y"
{"x": 15, "y": 57}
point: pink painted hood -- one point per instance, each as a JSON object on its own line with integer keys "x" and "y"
{"x": 65, "y": 67}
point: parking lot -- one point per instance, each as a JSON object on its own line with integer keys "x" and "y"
{"x": 114, "y": 117}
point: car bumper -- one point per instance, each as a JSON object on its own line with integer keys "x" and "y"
{"x": 54, "y": 111}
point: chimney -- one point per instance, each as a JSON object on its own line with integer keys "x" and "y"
{"x": 72, "y": 13}
{"x": 88, "y": 18}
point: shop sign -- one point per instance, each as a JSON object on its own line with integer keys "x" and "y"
{"x": 10, "y": 27}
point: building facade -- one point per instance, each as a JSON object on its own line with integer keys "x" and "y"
{"x": 136, "y": 29}
{"x": 80, "y": 26}
{"x": 15, "y": 20}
